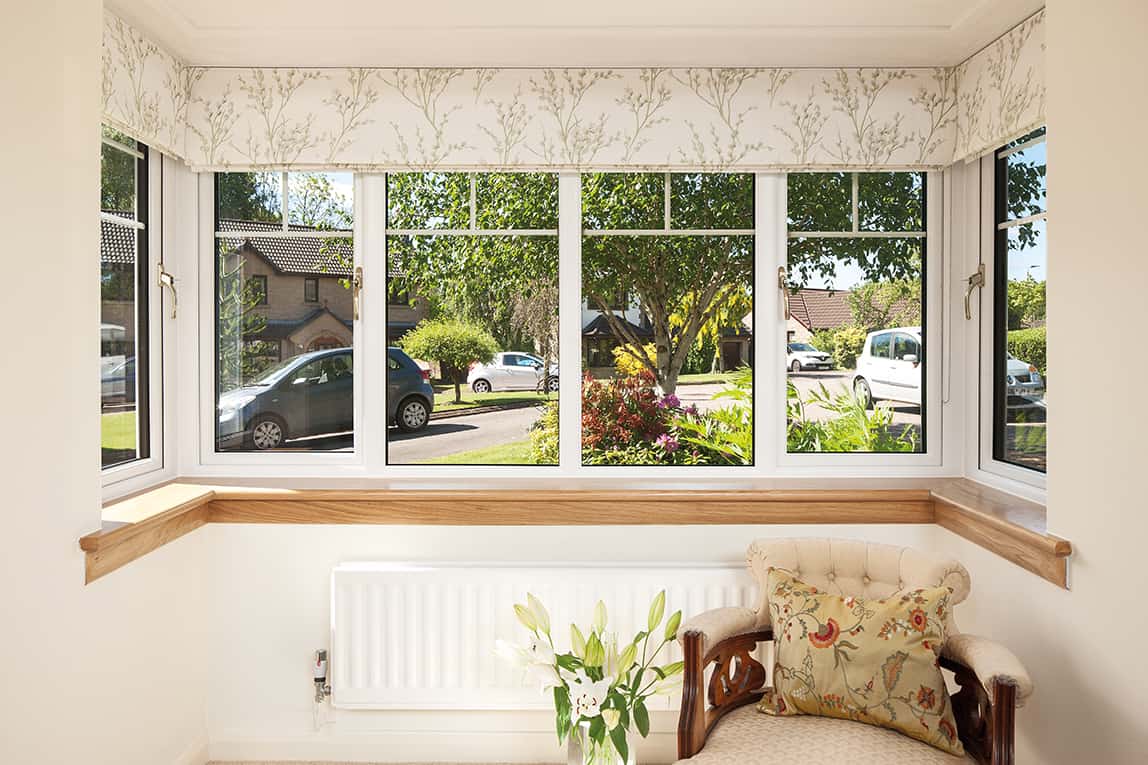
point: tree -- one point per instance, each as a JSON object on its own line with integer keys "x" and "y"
{"x": 681, "y": 282}
{"x": 880, "y": 305}
{"x": 249, "y": 196}
{"x": 455, "y": 345}
{"x": 535, "y": 312}
{"x": 1026, "y": 303}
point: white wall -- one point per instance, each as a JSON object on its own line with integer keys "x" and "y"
{"x": 268, "y": 596}
{"x": 110, "y": 673}
{"x": 1082, "y": 646}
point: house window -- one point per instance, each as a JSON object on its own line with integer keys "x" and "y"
{"x": 1020, "y": 365}
{"x": 674, "y": 251}
{"x": 295, "y": 225}
{"x": 258, "y": 286}
{"x": 481, "y": 253}
{"x": 856, "y": 326}
{"x": 125, "y": 364}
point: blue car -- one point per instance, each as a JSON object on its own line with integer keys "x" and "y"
{"x": 410, "y": 397}
{"x": 307, "y": 395}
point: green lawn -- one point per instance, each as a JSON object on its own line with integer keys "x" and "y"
{"x": 705, "y": 378}
{"x": 444, "y": 398}
{"x": 118, "y": 430}
{"x": 514, "y": 453}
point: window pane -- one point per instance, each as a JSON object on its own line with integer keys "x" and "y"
{"x": 1022, "y": 369}
{"x": 890, "y": 202}
{"x": 855, "y": 355}
{"x": 692, "y": 297}
{"x": 472, "y": 323}
{"x": 820, "y": 202}
{"x": 613, "y": 201}
{"x": 249, "y": 197}
{"x": 1026, "y": 181}
{"x": 284, "y": 360}
{"x": 320, "y": 201}
{"x": 711, "y": 200}
{"x": 124, "y": 421}
{"x": 516, "y": 200}
{"x": 428, "y": 201}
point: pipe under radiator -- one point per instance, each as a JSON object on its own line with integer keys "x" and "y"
{"x": 422, "y": 635}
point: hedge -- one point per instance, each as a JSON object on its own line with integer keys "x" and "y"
{"x": 1029, "y": 345}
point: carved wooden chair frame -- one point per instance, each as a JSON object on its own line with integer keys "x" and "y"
{"x": 986, "y": 726}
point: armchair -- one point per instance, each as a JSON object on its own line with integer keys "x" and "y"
{"x": 717, "y": 727}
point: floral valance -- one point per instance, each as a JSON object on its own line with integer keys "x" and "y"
{"x": 672, "y": 119}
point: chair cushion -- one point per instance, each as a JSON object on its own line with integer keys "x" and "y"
{"x": 747, "y": 737}
{"x": 873, "y": 661}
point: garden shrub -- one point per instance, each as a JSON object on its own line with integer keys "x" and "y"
{"x": 848, "y": 342}
{"x": 700, "y": 357}
{"x": 625, "y": 365}
{"x": 544, "y": 436}
{"x": 453, "y": 344}
{"x": 1029, "y": 345}
{"x": 854, "y": 429}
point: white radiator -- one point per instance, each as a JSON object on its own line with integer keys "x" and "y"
{"x": 421, "y": 636}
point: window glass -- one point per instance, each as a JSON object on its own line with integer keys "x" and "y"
{"x": 686, "y": 292}
{"x": 271, "y": 331}
{"x": 124, "y": 410}
{"x": 1020, "y": 364}
{"x": 487, "y": 284}
{"x": 846, "y": 393}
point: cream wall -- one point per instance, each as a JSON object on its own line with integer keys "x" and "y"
{"x": 1082, "y": 646}
{"x": 112, "y": 673}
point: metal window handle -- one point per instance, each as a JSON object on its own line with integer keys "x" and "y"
{"x": 975, "y": 281}
{"x": 356, "y": 289}
{"x": 783, "y": 290}
{"x": 167, "y": 280}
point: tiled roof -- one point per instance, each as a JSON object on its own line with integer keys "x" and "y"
{"x": 820, "y": 309}
{"x": 117, "y": 243}
{"x": 300, "y": 256}
{"x": 600, "y": 327}
{"x": 279, "y": 329}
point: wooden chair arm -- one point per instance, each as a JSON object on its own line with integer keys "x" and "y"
{"x": 986, "y": 726}
{"x": 737, "y": 680}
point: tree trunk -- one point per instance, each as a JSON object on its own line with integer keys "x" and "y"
{"x": 457, "y": 390}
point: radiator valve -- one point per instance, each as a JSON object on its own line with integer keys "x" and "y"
{"x": 322, "y": 687}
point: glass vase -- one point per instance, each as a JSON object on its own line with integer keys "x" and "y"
{"x": 581, "y": 749}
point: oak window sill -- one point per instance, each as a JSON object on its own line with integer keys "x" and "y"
{"x": 1008, "y": 526}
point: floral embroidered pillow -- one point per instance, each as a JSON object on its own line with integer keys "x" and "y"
{"x": 873, "y": 661}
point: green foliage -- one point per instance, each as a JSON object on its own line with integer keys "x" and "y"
{"x": 455, "y": 345}
{"x": 1030, "y": 345}
{"x": 248, "y": 196}
{"x": 241, "y": 358}
{"x": 852, "y": 429}
{"x": 881, "y": 305}
{"x": 848, "y": 342}
{"x": 724, "y": 435}
{"x": 1026, "y": 303}
{"x": 701, "y": 356}
{"x": 627, "y": 365}
{"x": 544, "y": 437}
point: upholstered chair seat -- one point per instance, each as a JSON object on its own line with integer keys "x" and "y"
{"x": 720, "y": 723}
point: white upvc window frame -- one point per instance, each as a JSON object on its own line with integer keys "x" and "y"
{"x": 934, "y": 459}
{"x": 125, "y": 478}
{"x": 984, "y": 466}
{"x": 368, "y": 459}
{"x": 293, "y": 463}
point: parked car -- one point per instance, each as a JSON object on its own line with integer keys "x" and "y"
{"x": 306, "y": 395}
{"x": 889, "y": 369}
{"x": 799, "y": 356}
{"x": 512, "y": 370}
{"x": 410, "y": 397}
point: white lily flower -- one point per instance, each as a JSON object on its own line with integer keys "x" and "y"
{"x": 511, "y": 653}
{"x": 586, "y": 695}
{"x": 611, "y": 717}
{"x": 537, "y": 660}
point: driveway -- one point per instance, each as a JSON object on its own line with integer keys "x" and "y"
{"x": 460, "y": 434}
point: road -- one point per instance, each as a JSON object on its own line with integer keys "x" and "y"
{"x": 460, "y": 434}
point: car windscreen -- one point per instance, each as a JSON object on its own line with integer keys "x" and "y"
{"x": 275, "y": 373}
{"x": 801, "y": 347}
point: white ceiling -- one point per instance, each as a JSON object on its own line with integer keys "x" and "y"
{"x": 605, "y": 33}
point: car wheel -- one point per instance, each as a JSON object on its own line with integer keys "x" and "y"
{"x": 795, "y": 367}
{"x": 481, "y": 386}
{"x": 552, "y": 384}
{"x": 267, "y": 432}
{"x": 413, "y": 415}
{"x": 863, "y": 393}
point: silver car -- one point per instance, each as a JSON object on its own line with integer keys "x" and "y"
{"x": 512, "y": 370}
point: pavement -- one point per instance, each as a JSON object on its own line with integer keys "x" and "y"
{"x": 460, "y": 434}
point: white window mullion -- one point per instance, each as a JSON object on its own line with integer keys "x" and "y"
{"x": 770, "y": 245}
{"x": 570, "y": 321}
{"x": 370, "y": 330}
